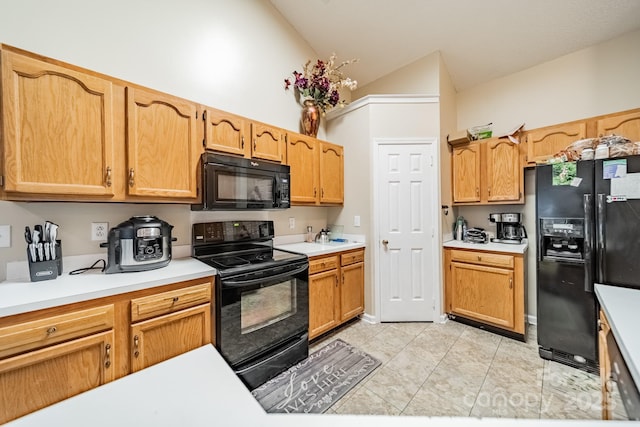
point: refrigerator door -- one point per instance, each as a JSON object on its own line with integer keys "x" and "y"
{"x": 566, "y": 313}
{"x": 562, "y": 199}
{"x": 617, "y": 201}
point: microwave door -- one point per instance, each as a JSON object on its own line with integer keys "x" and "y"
{"x": 240, "y": 188}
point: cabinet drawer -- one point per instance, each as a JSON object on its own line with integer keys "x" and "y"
{"x": 483, "y": 258}
{"x": 168, "y": 302}
{"x": 40, "y": 333}
{"x": 352, "y": 257}
{"x": 323, "y": 264}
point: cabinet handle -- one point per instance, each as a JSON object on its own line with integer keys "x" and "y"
{"x": 175, "y": 299}
{"x": 489, "y": 189}
{"x": 336, "y": 277}
{"x": 479, "y": 258}
{"x": 315, "y": 191}
{"x": 242, "y": 142}
{"x": 107, "y": 355}
{"x": 108, "y": 178}
{"x": 322, "y": 195}
{"x": 51, "y": 330}
{"x": 510, "y": 283}
{"x": 255, "y": 144}
{"x": 136, "y": 345}
{"x": 477, "y": 191}
{"x": 342, "y": 277}
{"x": 131, "y": 180}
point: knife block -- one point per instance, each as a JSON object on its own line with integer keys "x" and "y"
{"x": 46, "y": 270}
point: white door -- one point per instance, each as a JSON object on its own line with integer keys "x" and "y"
{"x": 407, "y": 247}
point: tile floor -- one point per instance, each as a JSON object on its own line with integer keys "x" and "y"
{"x": 453, "y": 369}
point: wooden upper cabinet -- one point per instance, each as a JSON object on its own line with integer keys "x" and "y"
{"x": 626, "y": 124}
{"x": 331, "y": 173}
{"x": 267, "y": 142}
{"x": 544, "y": 143}
{"x": 226, "y": 132}
{"x": 302, "y": 157}
{"x": 162, "y": 144}
{"x": 466, "y": 173}
{"x": 58, "y": 129}
{"x": 504, "y": 172}
{"x": 487, "y": 172}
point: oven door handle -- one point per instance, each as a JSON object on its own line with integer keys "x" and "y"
{"x": 243, "y": 283}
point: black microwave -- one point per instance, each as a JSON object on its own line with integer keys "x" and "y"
{"x": 232, "y": 183}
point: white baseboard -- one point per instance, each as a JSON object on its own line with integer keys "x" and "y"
{"x": 369, "y": 318}
{"x": 533, "y": 320}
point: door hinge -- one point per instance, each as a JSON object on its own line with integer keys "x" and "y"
{"x": 1, "y": 180}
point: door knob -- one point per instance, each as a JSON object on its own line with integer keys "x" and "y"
{"x": 385, "y": 242}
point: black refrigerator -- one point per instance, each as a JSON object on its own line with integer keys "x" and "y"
{"x": 588, "y": 231}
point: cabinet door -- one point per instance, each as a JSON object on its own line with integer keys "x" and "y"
{"x": 352, "y": 291}
{"x": 627, "y": 125}
{"x": 503, "y": 170}
{"x": 164, "y": 337}
{"x": 483, "y": 293}
{"x": 162, "y": 145}
{"x": 58, "y": 129}
{"x": 36, "y": 379}
{"x": 303, "y": 162}
{"x": 323, "y": 302}
{"x": 466, "y": 173}
{"x": 331, "y": 173}
{"x": 267, "y": 142}
{"x": 543, "y": 143}
{"x": 225, "y": 132}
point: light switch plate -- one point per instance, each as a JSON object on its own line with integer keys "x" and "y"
{"x": 5, "y": 236}
{"x": 356, "y": 221}
{"x": 292, "y": 223}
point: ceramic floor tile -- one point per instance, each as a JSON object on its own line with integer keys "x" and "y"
{"x": 366, "y": 402}
{"x": 579, "y": 405}
{"x": 410, "y": 328}
{"x": 415, "y": 363}
{"x": 430, "y": 402}
{"x": 397, "y": 388}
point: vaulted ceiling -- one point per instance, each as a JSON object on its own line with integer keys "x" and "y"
{"x": 479, "y": 40}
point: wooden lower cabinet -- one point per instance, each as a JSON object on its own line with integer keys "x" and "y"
{"x": 167, "y": 336}
{"x": 486, "y": 287}
{"x": 605, "y": 366}
{"x": 39, "y": 378}
{"x": 55, "y": 353}
{"x": 336, "y": 290}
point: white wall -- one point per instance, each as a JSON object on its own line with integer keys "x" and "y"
{"x": 232, "y": 55}
{"x": 597, "y": 80}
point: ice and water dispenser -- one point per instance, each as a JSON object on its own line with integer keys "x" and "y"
{"x": 562, "y": 239}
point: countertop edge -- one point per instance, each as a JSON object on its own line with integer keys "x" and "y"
{"x": 70, "y": 293}
{"x": 488, "y": 247}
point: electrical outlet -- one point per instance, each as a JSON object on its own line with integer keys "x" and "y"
{"x": 292, "y": 223}
{"x": 356, "y": 221}
{"x": 99, "y": 230}
{"x": 5, "y": 236}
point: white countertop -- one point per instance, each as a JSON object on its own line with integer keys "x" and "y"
{"x": 489, "y": 247}
{"x": 315, "y": 249}
{"x": 22, "y": 295}
{"x": 620, "y": 305}
{"x": 198, "y": 389}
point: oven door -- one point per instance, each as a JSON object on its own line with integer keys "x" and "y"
{"x": 259, "y": 311}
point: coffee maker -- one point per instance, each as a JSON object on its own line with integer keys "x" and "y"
{"x": 508, "y": 228}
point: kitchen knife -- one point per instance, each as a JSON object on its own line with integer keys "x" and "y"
{"x": 53, "y": 236}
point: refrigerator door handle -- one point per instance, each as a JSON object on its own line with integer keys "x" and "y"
{"x": 600, "y": 242}
{"x": 588, "y": 242}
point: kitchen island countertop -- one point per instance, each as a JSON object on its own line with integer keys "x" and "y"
{"x": 620, "y": 305}
{"x": 198, "y": 389}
